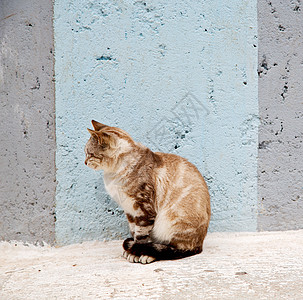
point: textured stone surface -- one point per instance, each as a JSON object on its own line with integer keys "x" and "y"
{"x": 27, "y": 139}
{"x": 230, "y": 131}
{"x": 179, "y": 77}
{"x": 232, "y": 266}
{"x": 281, "y": 112}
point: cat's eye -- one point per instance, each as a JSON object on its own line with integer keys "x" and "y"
{"x": 104, "y": 146}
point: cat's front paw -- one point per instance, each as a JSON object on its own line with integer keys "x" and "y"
{"x": 143, "y": 259}
{"x": 128, "y": 243}
{"x": 131, "y": 257}
{"x": 130, "y": 253}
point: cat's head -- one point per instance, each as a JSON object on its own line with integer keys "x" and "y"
{"x": 105, "y": 146}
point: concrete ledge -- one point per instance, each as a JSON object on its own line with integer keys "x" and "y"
{"x": 266, "y": 265}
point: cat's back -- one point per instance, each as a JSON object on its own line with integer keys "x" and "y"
{"x": 175, "y": 166}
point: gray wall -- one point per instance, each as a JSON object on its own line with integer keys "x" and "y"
{"x": 281, "y": 112}
{"x": 27, "y": 137}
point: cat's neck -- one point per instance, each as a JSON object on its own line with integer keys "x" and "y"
{"x": 127, "y": 161}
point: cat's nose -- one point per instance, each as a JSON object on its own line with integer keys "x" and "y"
{"x": 86, "y": 161}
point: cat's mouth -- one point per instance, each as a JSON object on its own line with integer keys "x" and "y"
{"x": 94, "y": 163}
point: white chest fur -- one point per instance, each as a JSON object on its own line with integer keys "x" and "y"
{"x": 114, "y": 187}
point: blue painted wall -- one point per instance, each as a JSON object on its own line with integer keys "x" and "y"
{"x": 230, "y": 135}
{"x": 179, "y": 77}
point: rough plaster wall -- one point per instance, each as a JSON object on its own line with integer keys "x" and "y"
{"x": 179, "y": 76}
{"x": 281, "y": 112}
{"x": 230, "y": 134}
{"x": 27, "y": 138}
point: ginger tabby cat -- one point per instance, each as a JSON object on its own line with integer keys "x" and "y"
{"x": 164, "y": 197}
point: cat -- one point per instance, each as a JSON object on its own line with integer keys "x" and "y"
{"x": 164, "y": 197}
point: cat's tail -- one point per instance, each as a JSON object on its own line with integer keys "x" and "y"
{"x": 157, "y": 251}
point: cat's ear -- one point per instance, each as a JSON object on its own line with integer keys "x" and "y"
{"x": 95, "y": 135}
{"x": 108, "y": 138}
{"x": 98, "y": 126}
{"x": 102, "y": 137}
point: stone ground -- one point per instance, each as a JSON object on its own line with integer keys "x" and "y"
{"x": 267, "y": 265}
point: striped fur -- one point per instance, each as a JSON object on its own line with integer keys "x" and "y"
{"x": 164, "y": 197}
